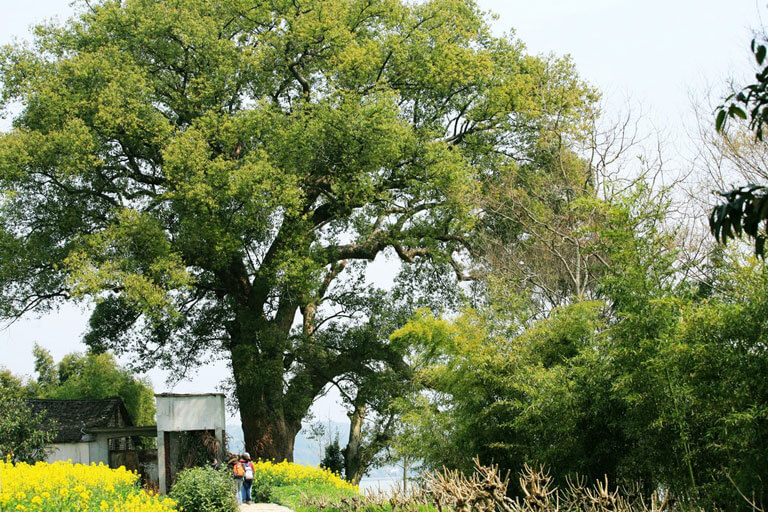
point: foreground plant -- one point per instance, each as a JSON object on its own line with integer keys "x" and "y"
{"x": 486, "y": 490}
{"x": 204, "y": 489}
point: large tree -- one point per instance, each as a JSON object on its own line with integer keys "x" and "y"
{"x": 215, "y": 174}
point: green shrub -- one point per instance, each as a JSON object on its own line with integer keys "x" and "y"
{"x": 205, "y": 490}
{"x": 261, "y": 492}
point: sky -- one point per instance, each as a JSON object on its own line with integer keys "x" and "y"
{"x": 658, "y": 54}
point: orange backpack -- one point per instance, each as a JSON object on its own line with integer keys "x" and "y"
{"x": 238, "y": 470}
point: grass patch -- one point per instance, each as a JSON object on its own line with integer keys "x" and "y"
{"x": 292, "y": 496}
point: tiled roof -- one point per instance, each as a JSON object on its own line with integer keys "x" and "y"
{"x": 72, "y": 416}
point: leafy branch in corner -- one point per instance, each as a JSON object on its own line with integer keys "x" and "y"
{"x": 747, "y": 206}
{"x": 743, "y": 211}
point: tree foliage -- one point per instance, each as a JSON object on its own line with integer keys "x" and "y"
{"x": 745, "y": 209}
{"x": 12, "y": 383}
{"x": 650, "y": 383}
{"x": 369, "y": 394}
{"x": 93, "y": 376}
{"x": 333, "y": 460}
{"x": 215, "y": 174}
{"x": 21, "y": 436}
{"x": 752, "y": 101}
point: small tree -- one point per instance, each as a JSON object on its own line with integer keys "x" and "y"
{"x": 333, "y": 460}
{"x": 21, "y": 437}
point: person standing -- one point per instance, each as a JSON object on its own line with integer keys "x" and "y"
{"x": 248, "y": 473}
{"x": 238, "y": 472}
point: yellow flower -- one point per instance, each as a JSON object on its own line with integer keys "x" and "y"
{"x": 288, "y": 473}
{"x": 75, "y": 487}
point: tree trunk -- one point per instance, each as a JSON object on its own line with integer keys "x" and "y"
{"x": 269, "y": 432}
{"x": 354, "y": 466}
{"x": 405, "y": 474}
{"x": 268, "y": 438}
{"x": 270, "y": 424}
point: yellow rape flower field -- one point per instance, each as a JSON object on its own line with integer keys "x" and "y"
{"x": 292, "y": 483}
{"x": 281, "y": 474}
{"x": 63, "y": 486}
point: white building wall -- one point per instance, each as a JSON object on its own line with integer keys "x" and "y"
{"x": 179, "y": 413}
{"x": 78, "y": 453}
{"x": 176, "y": 413}
{"x": 99, "y": 451}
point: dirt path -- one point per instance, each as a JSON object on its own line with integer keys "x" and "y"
{"x": 264, "y": 507}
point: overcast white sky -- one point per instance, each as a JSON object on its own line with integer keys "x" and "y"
{"x": 656, "y": 52}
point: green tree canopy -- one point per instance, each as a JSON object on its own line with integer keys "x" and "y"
{"x": 100, "y": 377}
{"x": 215, "y": 174}
{"x": 92, "y": 376}
{"x": 11, "y": 383}
{"x": 21, "y": 437}
{"x": 657, "y": 383}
